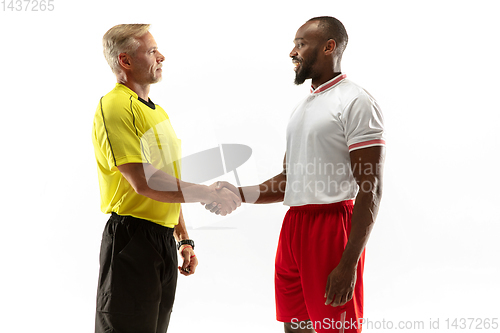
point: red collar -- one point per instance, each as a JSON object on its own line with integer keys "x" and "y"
{"x": 328, "y": 84}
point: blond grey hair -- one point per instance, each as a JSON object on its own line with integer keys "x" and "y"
{"x": 122, "y": 38}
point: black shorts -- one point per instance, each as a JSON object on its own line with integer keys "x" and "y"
{"x": 137, "y": 276}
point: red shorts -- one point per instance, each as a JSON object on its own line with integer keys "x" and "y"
{"x": 311, "y": 243}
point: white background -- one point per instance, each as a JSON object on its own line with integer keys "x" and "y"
{"x": 432, "y": 66}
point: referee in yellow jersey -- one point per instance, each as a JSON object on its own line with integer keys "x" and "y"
{"x": 138, "y": 161}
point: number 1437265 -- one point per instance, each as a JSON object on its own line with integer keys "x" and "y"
{"x": 28, "y": 5}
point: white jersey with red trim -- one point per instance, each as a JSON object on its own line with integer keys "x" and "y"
{"x": 335, "y": 119}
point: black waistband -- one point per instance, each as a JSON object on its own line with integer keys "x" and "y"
{"x": 148, "y": 224}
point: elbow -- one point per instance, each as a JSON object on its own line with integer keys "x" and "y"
{"x": 372, "y": 187}
{"x": 141, "y": 189}
{"x": 378, "y": 190}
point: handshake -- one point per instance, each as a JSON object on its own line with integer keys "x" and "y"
{"x": 222, "y": 198}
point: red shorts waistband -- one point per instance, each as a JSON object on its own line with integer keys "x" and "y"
{"x": 316, "y": 207}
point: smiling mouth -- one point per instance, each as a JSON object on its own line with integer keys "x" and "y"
{"x": 296, "y": 64}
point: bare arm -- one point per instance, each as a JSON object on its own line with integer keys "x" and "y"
{"x": 160, "y": 186}
{"x": 180, "y": 230}
{"x": 190, "y": 261}
{"x": 270, "y": 191}
{"x": 367, "y": 167}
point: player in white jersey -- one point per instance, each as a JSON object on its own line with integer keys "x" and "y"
{"x": 333, "y": 177}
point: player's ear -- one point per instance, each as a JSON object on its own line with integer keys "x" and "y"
{"x": 124, "y": 60}
{"x": 330, "y": 47}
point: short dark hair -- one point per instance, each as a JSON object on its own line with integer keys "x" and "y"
{"x": 333, "y": 29}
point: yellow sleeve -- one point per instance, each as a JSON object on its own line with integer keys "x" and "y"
{"x": 117, "y": 132}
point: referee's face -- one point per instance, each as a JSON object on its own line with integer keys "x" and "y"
{"x": 147, "y": 62}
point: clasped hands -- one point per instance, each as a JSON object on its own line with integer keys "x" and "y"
{"x": 225, "y": 198}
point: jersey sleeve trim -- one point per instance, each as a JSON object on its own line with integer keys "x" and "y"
{"x": 366, "y": 144}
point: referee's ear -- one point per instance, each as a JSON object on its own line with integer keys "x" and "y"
{"x": 124, "y": 60}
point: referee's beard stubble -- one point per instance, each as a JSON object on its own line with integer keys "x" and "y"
{"x": 157, "y": 75}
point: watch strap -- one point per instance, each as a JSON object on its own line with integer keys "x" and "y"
{"x": 185, "y": 242}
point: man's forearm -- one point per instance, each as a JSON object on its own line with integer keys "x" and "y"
{"x": 180, "y": 231}
{"x": 166, "y": 188}
{"x": 160, "y": 186}
{"x": 363, "y": 219}
{"x": 155, "y": 184}
{"x": 270, "y": 191}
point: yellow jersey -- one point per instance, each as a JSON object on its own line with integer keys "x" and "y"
{"x": 128, "y": 129}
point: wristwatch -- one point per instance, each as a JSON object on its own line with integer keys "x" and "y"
{"x": 185, "y": 242}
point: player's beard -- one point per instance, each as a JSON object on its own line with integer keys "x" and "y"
{"x": 305, "y": 71}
